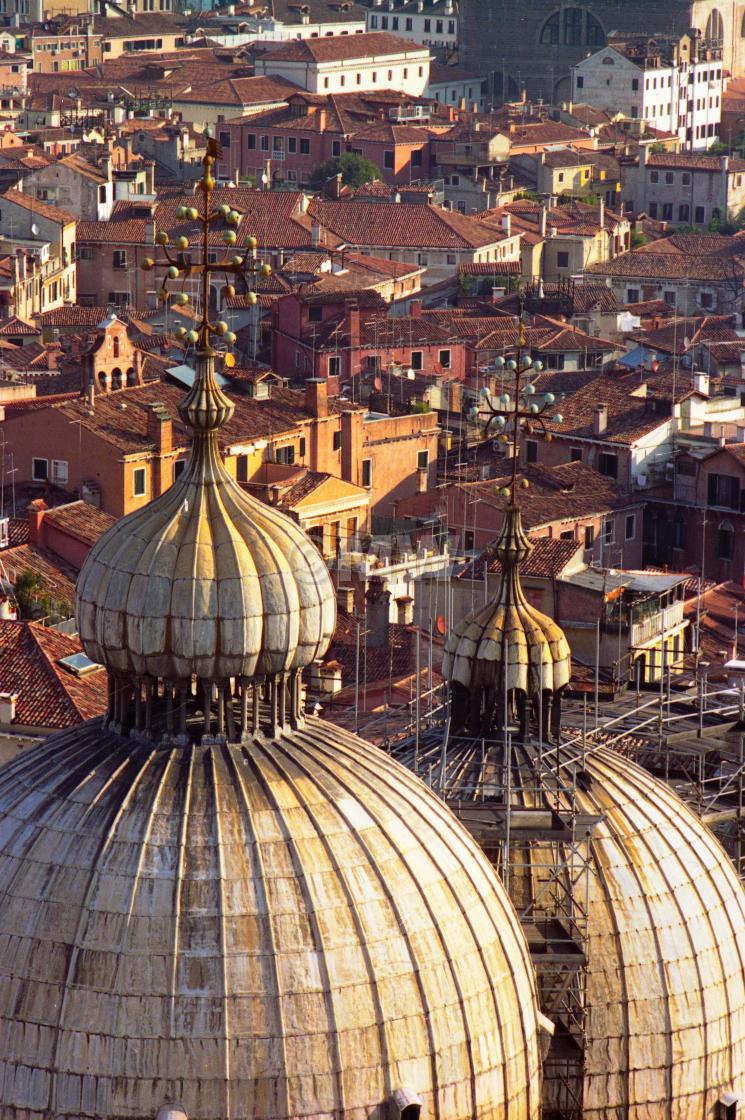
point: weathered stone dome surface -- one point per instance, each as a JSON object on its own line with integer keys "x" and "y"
{"x": 666, "y": 972}
{"x": 508, "y": 641}
{"x": 205, "y": 580}
{"x": 290, "y": 927}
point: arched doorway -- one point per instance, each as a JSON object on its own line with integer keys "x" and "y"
{"x": 116, "y": 378}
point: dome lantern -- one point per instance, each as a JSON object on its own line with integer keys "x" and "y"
{"x": 508, "y": 660}
{"x": 205, "y": 603}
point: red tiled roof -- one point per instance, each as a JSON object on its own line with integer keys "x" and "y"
{"x": 48, "y": 210}
{"x": 343, "y": 48}
{"x": 548, "y": 558}
{"x": 408, "y": 225}
{"x": 81, "y": 520}
{"x": 48, "y": 694}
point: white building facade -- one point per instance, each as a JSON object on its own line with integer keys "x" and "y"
{"x": 434, "y": 23}
{"x": 683, "y": 97}
{"x": 351, "y": 64}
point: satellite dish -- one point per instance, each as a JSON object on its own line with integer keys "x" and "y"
{"x": 378, "y": 383}
{"x": 34, "y": 229}
{"x": 441, "y": 624}
{"x": 410, "y": 374}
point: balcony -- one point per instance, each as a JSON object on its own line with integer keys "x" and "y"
{"x": 652, "y": 626}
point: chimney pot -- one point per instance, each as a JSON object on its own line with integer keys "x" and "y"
{"x": 600, "y": 419}
{"x": 405, "y": 610}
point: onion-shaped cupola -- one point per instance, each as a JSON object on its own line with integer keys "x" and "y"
{"x": 508, "y": 648}
{"x": 508, "y": 660}
{"x": 205, "y": 597}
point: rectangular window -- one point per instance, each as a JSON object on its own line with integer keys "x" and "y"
{"x": 409, "y": 24}
{"x": 684, "y": 213}
{"x": 667, "y": 211}
{"x": 285, "y": 455}
{"x": 531, "y": 451}
{"x": 291, "y": 145}
{"x": 59, "y": 471}
{"x": 224, "y": 139}
{"x": 669, "y": 297}
{"x": 388, "y": 160}
{"x": 85, "y": 253}
{"x": 700, "y": 215}
{"x": 367, "y": 472}
{"x": 608, "y": 464}
{"x": 635, "y": 84}
{"x": 422, "y": 460}
{"x": 630, "y": 527}
{"x": 301, "y": 447}
{"x": 669, "y": 178}
{"x": 265, "y": 143}
{"x": 337, "y": 440}
{"x": 725, "y": 542}
{"x": 580, "y": 82}
{"x": 334, "y": 365}
{"x": 251, "y": 140}
{"x": 417, "y": 357}
{"x": 336, "y": 147}
{"x": 632, "y": 295}
{"x": 315, "y": 314}
{"x": 428, "y": 25}
{"x": 179, "y": 467}
{"x": 40, "y": 470}
{"x": 654, "y": 176}
{"x": 120, "y": 258}
{"x": 706, "y": 299}
{"x": 241, "y": 468}
{"x": 575, "y": 455}
{"x": 608, "y": 527}
{"x": 589, "y": 536}
{"x": 304, "y": 147}
{"x": 139, "y": 482}
{"x": 562, "y": 260}
{"x": 445, "y": 359}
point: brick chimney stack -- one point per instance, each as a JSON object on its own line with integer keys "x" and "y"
{"x": 377, "y": 600}
{"x": 317, "y": 396}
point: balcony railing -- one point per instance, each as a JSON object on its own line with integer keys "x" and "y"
{"x": 651, "y": 628}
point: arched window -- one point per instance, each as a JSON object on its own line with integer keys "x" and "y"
{"x": 714, "y": 27}
{"x": 116, "y": 378}
{"x": 116, "y": 347}
{"x": 572, "y": 27}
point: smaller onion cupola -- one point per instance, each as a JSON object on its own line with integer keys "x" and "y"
{"x": 206, "y": 604}
{"x": 508, "y": 661}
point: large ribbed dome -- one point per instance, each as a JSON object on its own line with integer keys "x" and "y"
{"x": 289, "y": 928}
{"x": 666, "y": 954}
{"x": 205, "y": 580}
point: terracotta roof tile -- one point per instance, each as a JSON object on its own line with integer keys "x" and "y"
{"x": 548, "y": 558}
{"x": 343, "y": 48}
{"x": 48, "y": 694}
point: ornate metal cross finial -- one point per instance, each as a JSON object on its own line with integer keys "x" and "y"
{"x": 180, "y": 265}
{"x": 510, "y": 415}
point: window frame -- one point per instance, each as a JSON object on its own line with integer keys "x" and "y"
{"x": 139, "y": 472}
{"x": 39, "y": 477}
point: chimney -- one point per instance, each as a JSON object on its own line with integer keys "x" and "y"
{"x": 701, "y": 383}
{"x": 353, "y": 326}
{"x": 377, "y": 599}
{"x": 322, "y": 120}
{"x": 415, "y": 309}
{"x": 643, "y": 153}
{"x": 36, "y": 512}
{"x": 315, "y": 235}
{"x": 543, "y": 220}
{"x": 160, "y": 428}
{"x": 90, "y": 393}
{"x": 507, "y": 223}
{"x": 601, "y": 212}
{"x": 600, "y": 419}
{"x": 7, "y": 707}
{"x": 317, "y": 397}
{"x": 725, "y": 164}
{"x": 149, "y": 231}
{"x": 345, "y": 599}
{"x": 404, "y": 610}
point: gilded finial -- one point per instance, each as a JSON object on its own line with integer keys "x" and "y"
{"x": 206, "y": 408}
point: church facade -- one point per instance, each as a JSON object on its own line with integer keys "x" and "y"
{"x": 531, "y": 44}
